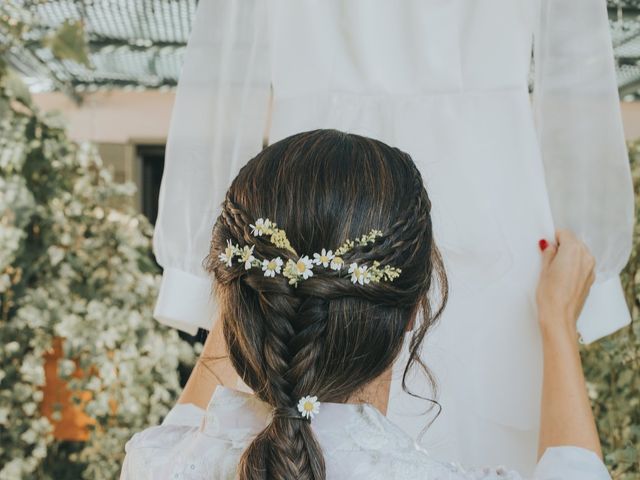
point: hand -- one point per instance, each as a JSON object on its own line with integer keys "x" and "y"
{"x": 565, "y": 279}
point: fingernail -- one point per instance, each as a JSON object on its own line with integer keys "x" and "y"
{"x": 543, "y": 244}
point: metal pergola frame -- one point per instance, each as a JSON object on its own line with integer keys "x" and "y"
{"x": 141, "y": 46}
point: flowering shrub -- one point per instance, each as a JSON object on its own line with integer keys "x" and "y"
{"x": 75, "y": 264}
{"x": 612, "y": 367}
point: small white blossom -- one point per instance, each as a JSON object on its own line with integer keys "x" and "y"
{"x": 12, "y": 347}
{"x": 261, "y": 226}
{"x": 56, "y": 254}
{"x": 247, "y": 257}
{"x": 271, "y": 267}
{"x": 229, "y": 252}
{"x": 309, "y": 406}
{"x": 5, "y": 282}
{"x": 30, "y": 436}
{"x": 337, "y": 263}
{"x": 29, "y": 408}
{"x": 358, "y": 274}
{"x": 4, "y": 415}
{"x": 323, "y": 258}
{"x": 304, "y": 267}
{"x": 40, "y": 451}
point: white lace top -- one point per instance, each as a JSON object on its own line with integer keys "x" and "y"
{"x": 358, "y": 442}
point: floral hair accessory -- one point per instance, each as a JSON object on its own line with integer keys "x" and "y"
{"x": 302, "y": 268}
{"x": 308, "y": 407}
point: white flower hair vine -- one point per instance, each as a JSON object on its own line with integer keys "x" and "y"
{"x": 302, "y": 269}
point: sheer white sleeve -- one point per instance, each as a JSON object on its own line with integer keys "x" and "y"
{"x": 217, "y": 124}
{"x": 579, "y": 125}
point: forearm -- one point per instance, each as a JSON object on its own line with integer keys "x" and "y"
{"x": 566, "y": 415}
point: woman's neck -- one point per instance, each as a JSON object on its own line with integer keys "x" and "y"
{"x": 214, "y": 368}
{"x": 375, "y": 392}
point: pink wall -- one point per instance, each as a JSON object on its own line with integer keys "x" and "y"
{"x": 143, "y": 117}
{"x": 631, "y": 119}
{"x": 114, "y": 116}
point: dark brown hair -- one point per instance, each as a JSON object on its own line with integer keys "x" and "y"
{"x": 328, "y": 336}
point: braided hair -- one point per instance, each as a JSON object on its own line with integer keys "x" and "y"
{"x": 326, "y": 336}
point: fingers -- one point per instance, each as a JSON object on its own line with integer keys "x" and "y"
{"x": 566, "y": 237}
{"x": 548, "y": 253}
{"x": 570, "y": 245}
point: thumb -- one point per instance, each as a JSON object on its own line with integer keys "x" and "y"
{"x": 548, "y": 252}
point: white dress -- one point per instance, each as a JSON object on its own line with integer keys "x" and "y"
{"x": 446, "y": 81}
{"x": 358, "y": 442}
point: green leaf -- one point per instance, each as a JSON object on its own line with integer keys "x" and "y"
{"x": 15, "y": 87}
{"x": 69, "y": 43}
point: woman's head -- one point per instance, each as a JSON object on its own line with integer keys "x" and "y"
{"x": 327, "y": 336}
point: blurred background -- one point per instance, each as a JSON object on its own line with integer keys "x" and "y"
{"x": 86, "y": 91}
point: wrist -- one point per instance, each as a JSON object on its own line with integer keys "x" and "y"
{"x": 558, "y": 328}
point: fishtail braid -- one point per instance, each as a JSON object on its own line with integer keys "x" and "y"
{"x": 286, "y": 449}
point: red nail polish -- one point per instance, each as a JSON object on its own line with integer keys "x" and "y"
{"x": 543, "y": 244}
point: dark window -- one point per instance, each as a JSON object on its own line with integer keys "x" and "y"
{"x": 151, "y": 159}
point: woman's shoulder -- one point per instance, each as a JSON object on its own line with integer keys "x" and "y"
{"x": 149, "y": 451}
{"x": 159, "y": 437}
{"x": 565, "y": 462}
{"x": 182, "y": 420}
{"x": 415, "y": 464}
{"x": 171, "y": 451}
{"x": 367, "y": 445}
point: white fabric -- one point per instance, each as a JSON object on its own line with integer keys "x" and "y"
{"x": 582, "y": 142}
{"x": 184, "y": 414}
{"x": 358, "y": 442}
{"x": 445, "y": 81}
{"x": 195, "y": 301}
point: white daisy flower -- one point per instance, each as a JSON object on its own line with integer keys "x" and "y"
{"x": 337, "y": 263}
{"x": 323, "y": 258}
{"x": 359, "y": 274}
{"x": 304, "y": 267}
{"x": 271, "y": 267}
{"x": 247, "y": 257}
{"x": 229, "y": 252}
{"x": 291, "y": 272}
{"x": 261, "y": 226}
{"x": 309, "y": 406}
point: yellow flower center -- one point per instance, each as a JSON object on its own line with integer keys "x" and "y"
{"x": 228, "y": 252}
{"x": 272, "y": 265}
{"x": 301, "y": 266}
{"x": 337, "y": 261}
{"x": 324, "y": 259}
{"x": 308, "y": 406}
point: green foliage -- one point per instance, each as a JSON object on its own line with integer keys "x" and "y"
{"x": 74, "y": 263}
{"x": 612, "y": 368}
{"x": 69, "y": 43}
